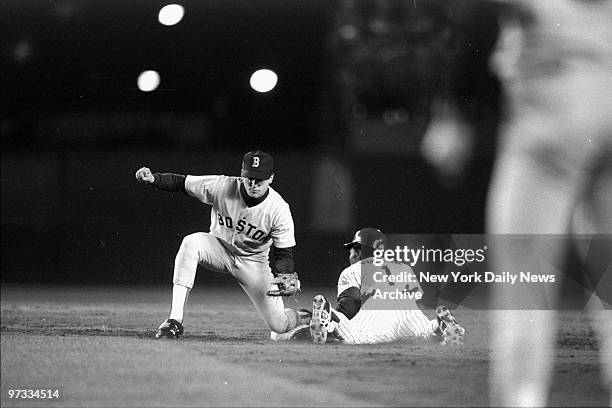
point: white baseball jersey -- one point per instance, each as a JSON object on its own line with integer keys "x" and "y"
{"x": 389, "y": 310}
{"x": 239, "y": 243}
{"x": 250, "y": 231}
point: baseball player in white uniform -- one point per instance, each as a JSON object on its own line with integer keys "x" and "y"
{"x": 553, "y": 176}
{"x": 374, "y": 308}
{"x": 247, "y": 218}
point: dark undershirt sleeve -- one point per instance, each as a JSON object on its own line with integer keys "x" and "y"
{"x": 283, "y": 260}
{"x": 349, "y": 302}
{"x": 169, "y": 182}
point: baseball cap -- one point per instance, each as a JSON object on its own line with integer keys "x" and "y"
{"x": 257, "y": 164}
{"x": 370, "y": 237}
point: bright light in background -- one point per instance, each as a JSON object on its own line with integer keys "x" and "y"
{"x": 22, "y": 50}
{"x": 171, "y": 14}
{"x": 148, "y": 81}
{"x": 263, "y": 80}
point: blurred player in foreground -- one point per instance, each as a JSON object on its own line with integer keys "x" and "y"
{"x": 247, "y": 217}
{"x": 552, "y": 178}
{"x": 553, "y": 175}
{"x": 374, "y": 309}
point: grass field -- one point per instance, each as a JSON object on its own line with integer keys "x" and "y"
{"x": 96, "y": 346}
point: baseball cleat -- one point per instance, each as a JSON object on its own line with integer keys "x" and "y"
{"x": 453, "y": 335}
{"x": 452, "y": 332}
{"x": 301, "y": 332}
{"x": 322, "y": 315}
{"x": 170, "y": 329}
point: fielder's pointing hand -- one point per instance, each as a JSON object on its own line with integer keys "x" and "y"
{"x": 144, "y": 174}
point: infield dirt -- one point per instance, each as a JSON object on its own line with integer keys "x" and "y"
{"x": 96, "y": 344}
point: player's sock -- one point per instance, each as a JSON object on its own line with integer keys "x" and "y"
{"x": 179, "y": 298}
{"x": 293, "y": 319}
{"x": 434, "y": 325}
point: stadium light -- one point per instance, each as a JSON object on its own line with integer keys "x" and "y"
{"x": 171, "y": 14}
{"x": 263, "y": 80}
{"x": 148, "y": 81}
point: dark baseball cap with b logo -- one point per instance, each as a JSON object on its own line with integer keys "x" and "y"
{"x": 257, "y": 164}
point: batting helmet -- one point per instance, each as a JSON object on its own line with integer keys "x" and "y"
{"x": 370, "y": 237}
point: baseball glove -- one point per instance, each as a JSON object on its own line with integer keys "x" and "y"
{"x": 287, "y": 283}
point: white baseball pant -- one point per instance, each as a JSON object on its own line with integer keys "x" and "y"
{"x": 254, "y": 277}
{"x": 382, "y": 326}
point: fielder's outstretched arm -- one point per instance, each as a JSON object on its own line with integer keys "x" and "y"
{"x": 162, "y": 181}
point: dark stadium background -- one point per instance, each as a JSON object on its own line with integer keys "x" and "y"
{"x": 75, "y": 128}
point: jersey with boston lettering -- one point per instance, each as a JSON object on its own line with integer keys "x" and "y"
{"x": 250, "y": 231}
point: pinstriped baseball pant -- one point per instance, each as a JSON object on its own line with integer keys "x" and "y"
{"x": 382, "y": 326}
